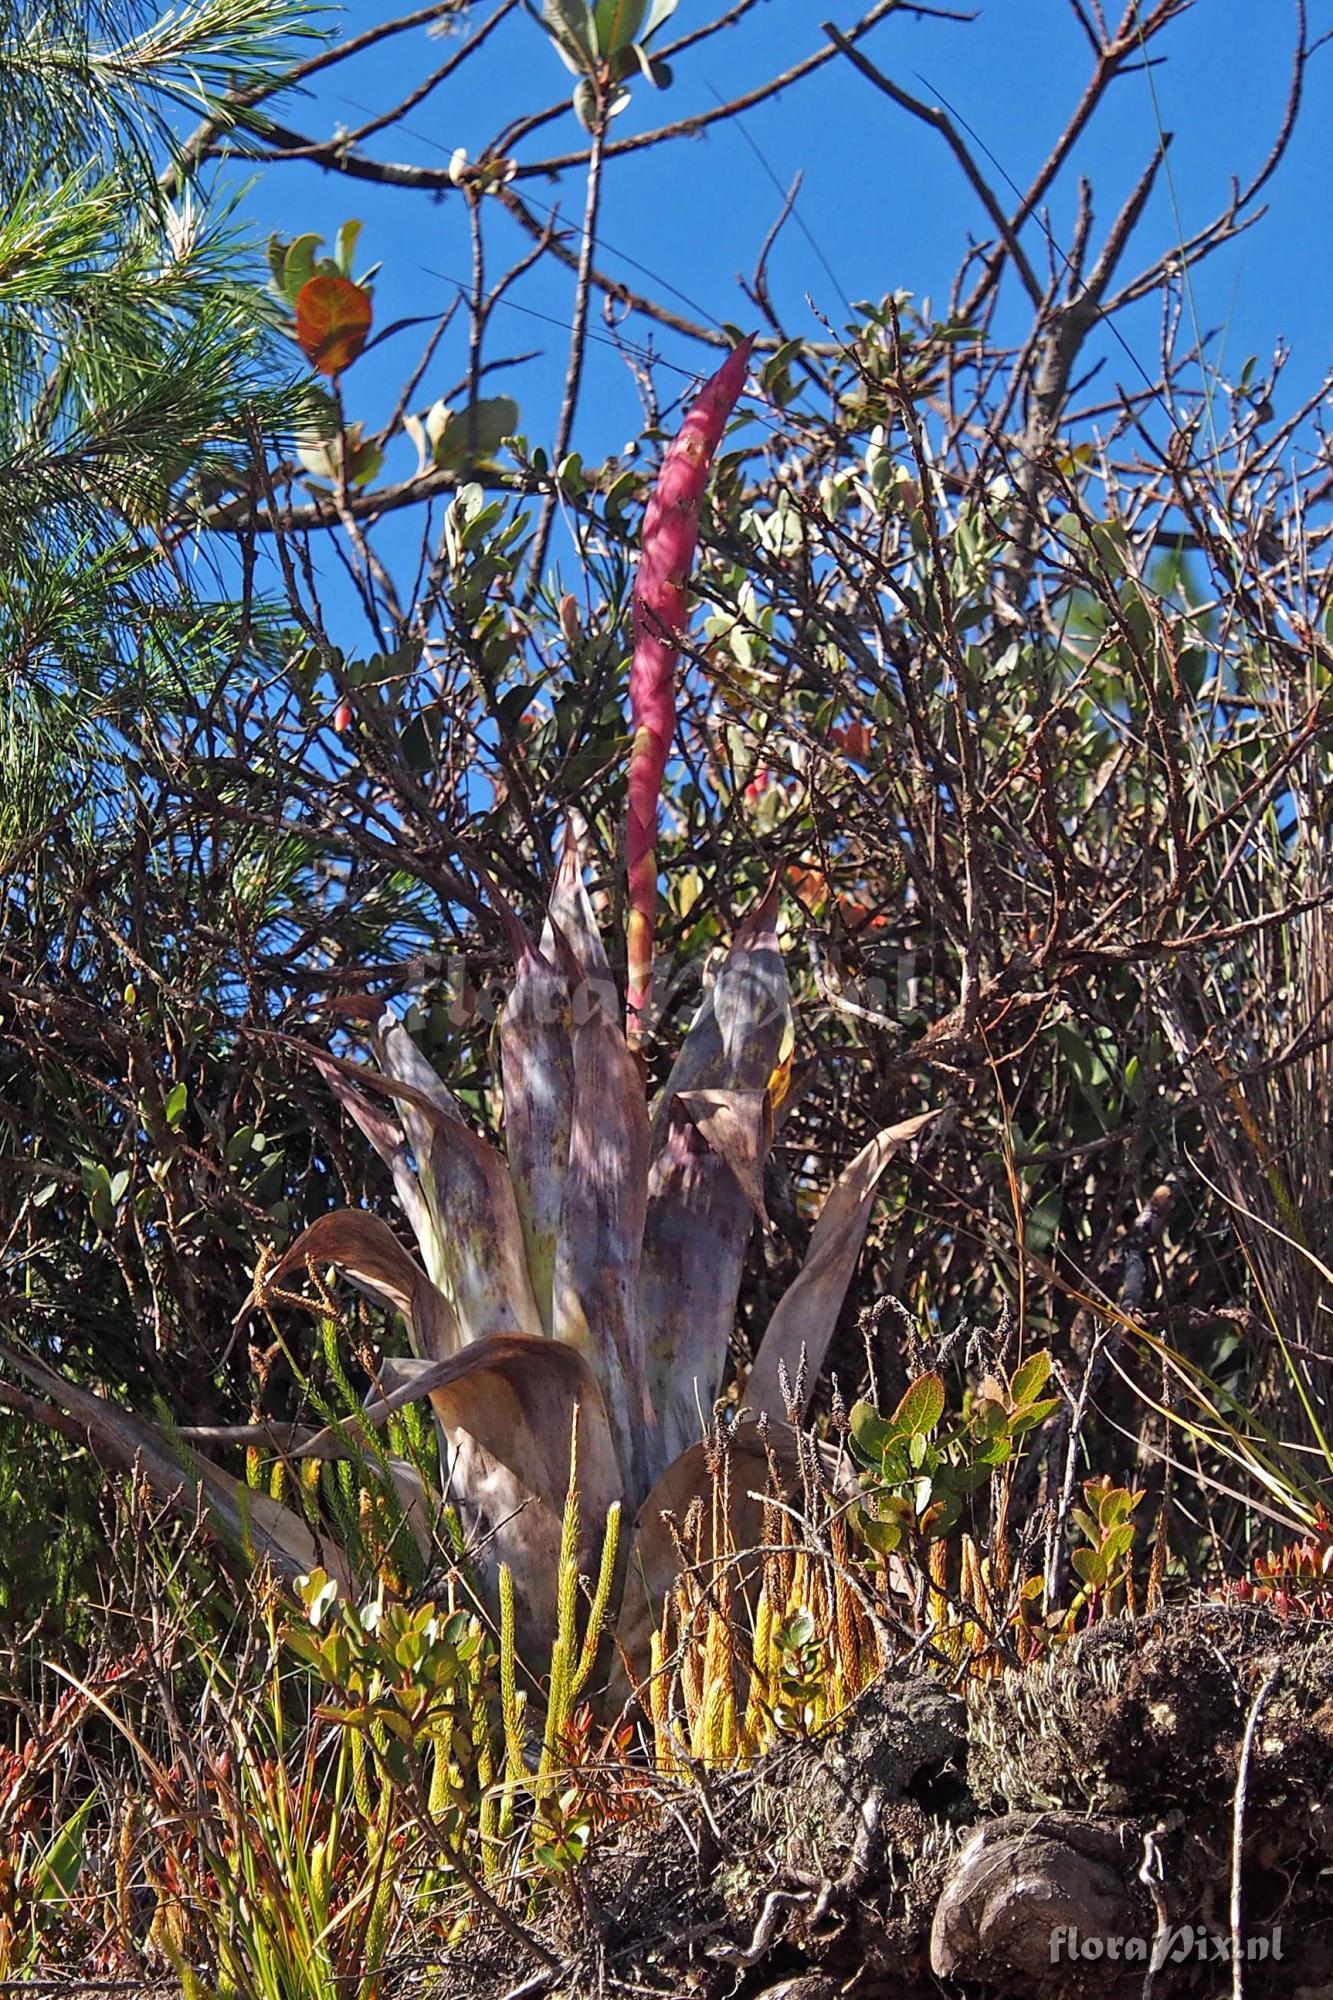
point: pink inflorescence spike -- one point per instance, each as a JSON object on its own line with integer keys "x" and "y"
{"x": 670, "y": 532}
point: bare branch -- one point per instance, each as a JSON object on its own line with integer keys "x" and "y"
{"x": 940, "y": 122}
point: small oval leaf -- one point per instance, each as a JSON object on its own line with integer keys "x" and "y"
{"x": 472, "y": 435}
{"x": 921, "y": 1408}
{"x": 1031, "y": 1378}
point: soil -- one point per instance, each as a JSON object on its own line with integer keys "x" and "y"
{"x": 936, "y": 1844}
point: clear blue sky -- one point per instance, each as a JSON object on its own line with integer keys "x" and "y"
{"x": 882, "y": 197}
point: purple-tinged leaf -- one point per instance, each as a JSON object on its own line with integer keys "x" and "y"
{"x": 485, "y": 1266}
{"x": 712, "y": 1134}
{"x": 506, "y": 1406}
{"x": 742, "y": 1033}
{"x": 537, "y": 1062}
{"x": 401, "y": 1061}
{"x": 366, "y": 1251}
{"x": 250, "y": 1521}
{"x": 738, "y": 1125}
{"x": 389, "y": 1142}
{"x": 481, "y": 1261}
{"x": 705, "y": 1187}
{"x": 595, "y": 1297}
{"x": 808, "y": 1313}
{"x": 570, "y": 916}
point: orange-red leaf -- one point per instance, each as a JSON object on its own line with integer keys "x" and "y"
{"x": 332, "y": 321}
{"x": 808, "y": 885}
{"x": 855, "y": 740}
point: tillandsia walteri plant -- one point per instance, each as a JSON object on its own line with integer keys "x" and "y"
{"x": 589, "y": 1274}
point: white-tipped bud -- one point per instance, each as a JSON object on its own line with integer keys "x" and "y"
{"x": 458, "y": 166}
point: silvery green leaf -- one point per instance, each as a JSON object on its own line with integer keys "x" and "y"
{"x": 659, "y": 13}
{"x": 574, "y": 67}
{"x": 569, "y": 24}
{"x": 344, "y": 247}
{"x": 415, "y": 430}
{"x": 473, "y": 434}
{"x": 316, "y": 457}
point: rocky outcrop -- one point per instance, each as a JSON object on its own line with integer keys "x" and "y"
{"x": 1066, "y": 1833}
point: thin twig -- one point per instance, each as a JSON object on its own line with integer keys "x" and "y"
{"x": 939, "y": 121}
{"x": 578, "y": 347}
{"x": 1238, "y": 1830}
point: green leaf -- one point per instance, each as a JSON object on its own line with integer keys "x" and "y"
{"x": 987, "y": 1417}
{"x": 304, "y": 1644}
{"x": 344, "y": 247}
{"x": 320, "y": 457}
{"x": 512, "y": 704}
{"x": 473, "y": 435}
{"x": 319, "y": 1593}
{"x": 278, "y": 246}
{"x": 174, "y": 1104}
{"x": 796, "y": 1631}
{"x": 615, "y": 23}
{"x": 996, "y": 1450}
{"x": 1091, "y": 1566}
{"x": 1043, "y": 1221}
{"x": 651, "y": 68}
{"x": 58, "y": 1870}
{"x": 103, "y": 1192}
{"x": 1117, "y": 1505}
{"x": 1031, "y": 1378}
{"x": 1117, "y": 1545}
{"x": 1031, "y": 1415}
{"x": 298, "y": 266}
{"x": 965, "y": 1479}
{"x": 871, "y": 1436}
{"x": 921, "y": 1408}
{"x": 775, "y": 375}
{"x": 1110, "y": 539}
{"x": 239, "y": 1145}
{"x": 883, "y": 1536}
